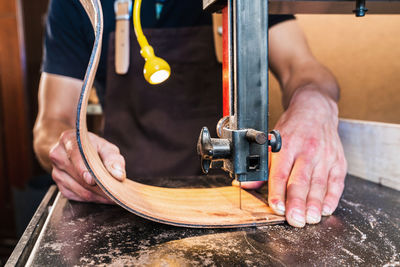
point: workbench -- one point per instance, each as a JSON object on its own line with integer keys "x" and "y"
{"x": 363, "y": 231}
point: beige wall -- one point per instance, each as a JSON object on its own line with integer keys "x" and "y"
{"x": 364, "y": 55}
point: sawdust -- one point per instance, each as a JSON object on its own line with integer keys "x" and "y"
{"x": 392, "y": 264}
{"x": 356, "y": 235}
{"x": 363, "y": 236}
{"x": 200, "y": 250}
{"x": 357, "y": 258}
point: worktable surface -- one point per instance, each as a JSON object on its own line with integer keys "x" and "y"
{"x": 363, "y": 231}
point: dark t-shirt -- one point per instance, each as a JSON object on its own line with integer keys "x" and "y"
{"x": 69, "y": 35}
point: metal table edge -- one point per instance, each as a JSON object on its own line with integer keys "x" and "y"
{"x": 28, "y": 239}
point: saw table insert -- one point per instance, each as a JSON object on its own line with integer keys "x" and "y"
{"x": 210, "y": 207}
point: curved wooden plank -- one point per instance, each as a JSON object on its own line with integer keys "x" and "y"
{"x": 210, "y": 207}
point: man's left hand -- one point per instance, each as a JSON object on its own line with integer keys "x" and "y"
{"x": 307, "y": 176}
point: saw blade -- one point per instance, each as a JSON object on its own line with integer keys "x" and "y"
{"x": 240, "y": 195}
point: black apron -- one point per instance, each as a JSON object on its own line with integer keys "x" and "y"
{"x": 156, "y": 127}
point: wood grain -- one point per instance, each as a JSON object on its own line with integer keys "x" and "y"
{"x": 210, "y": 207}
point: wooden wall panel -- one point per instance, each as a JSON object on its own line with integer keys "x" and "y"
{"x": 4, "y": 183}
{"x": 6, "y": 7}
{"x": 363, "y": 53}
{"x": 17, "y": 145}
{"x": 34, "y": 20}
{"x": 15, "y": 160}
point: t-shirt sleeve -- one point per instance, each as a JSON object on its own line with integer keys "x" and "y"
{"x": 275, "y": 19}
{"x": 67, "y": 39}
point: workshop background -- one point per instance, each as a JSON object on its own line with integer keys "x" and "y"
{"x": 363, "y": 55}
{"x": 361, "y": 52}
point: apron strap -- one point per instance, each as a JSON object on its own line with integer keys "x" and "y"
{"x": 122, "y": 9}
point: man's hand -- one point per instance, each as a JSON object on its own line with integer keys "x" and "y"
{"x": 70, "y": 173}
{"x": 55, "y": 142}
{"x": 307, "y": 176}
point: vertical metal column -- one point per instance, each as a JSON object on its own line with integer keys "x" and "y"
{"x": 250, "y": 85}
{"x": 243, "y": 143}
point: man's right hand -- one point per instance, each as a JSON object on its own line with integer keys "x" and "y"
{"x": 70, "y": 173}
{"x": 55, "y": 142}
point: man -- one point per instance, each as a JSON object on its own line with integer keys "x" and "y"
{"x": 155, "y": 128}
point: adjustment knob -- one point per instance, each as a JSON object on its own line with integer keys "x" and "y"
{"x": 210, "y": 149}
{"x": 204, "y": 145}
{"x": 275, "y": 141}
{"x": 256, "y": 136}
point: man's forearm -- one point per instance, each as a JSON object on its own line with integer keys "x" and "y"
{"x": 310, "y": 76}
{"x": 45, "y": 135}
{"x": 58, "y": 96}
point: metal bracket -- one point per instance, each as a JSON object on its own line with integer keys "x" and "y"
{"x": 360, "y": 8}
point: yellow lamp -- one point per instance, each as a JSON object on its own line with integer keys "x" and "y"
{"x": 156, "y": 70}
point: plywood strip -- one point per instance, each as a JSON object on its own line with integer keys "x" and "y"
{"x": 210, "y": 207}
{"x": 372, "y": 150}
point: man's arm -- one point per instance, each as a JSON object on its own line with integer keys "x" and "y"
{"x": 55, "y": 141}
{"x": 58, "y": 97}
{"x": 294, "y": 65}
{"x": 307, "y": 175}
